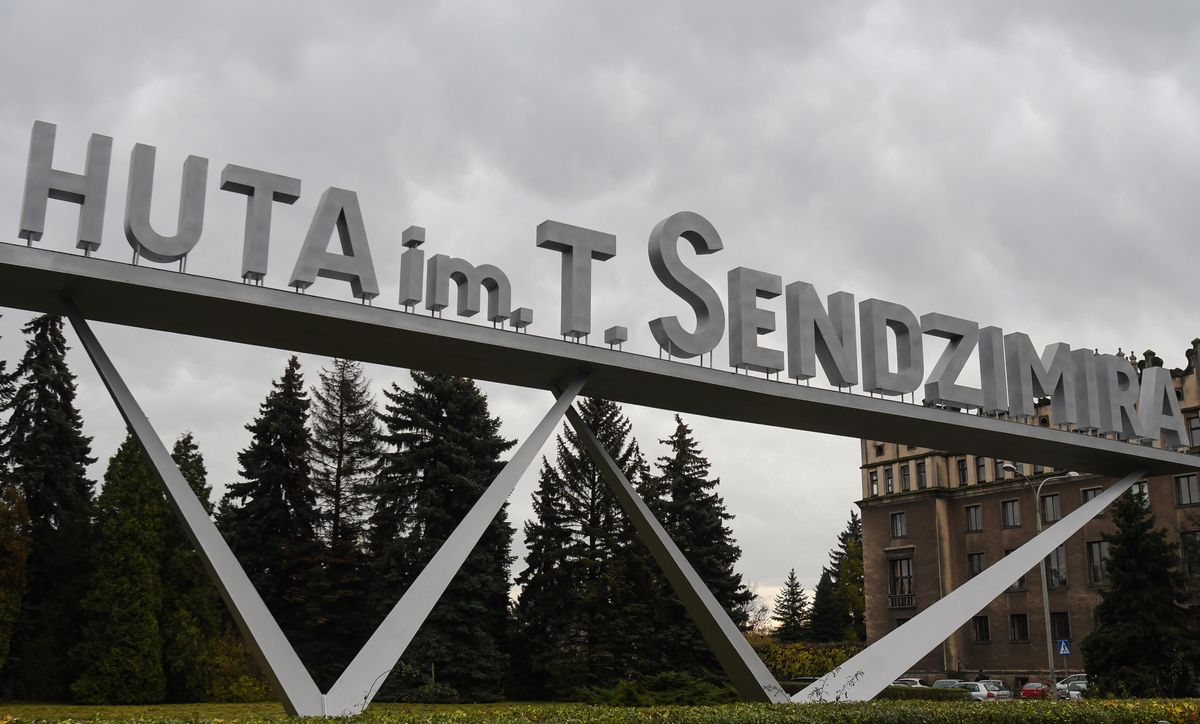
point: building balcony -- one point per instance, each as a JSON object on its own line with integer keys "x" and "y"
{"x": 906, "y": 600}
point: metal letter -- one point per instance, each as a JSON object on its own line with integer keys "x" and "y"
{"x": 747, "y": 672}
{"x": 412, "y": 263}
{"x": 579, "y": 246}
{"x": 874, "y": 668}
{"x": 747, "y": 320}
{"x": 261, "y": 189}
{"x": 141, "y": 235}
{"x": 876, "y": 318}
{"x": 1087, "y": 390}
{"x": 1158, "y": 408}
{"x": 991, "y": 370}
{"x": 338, "y": 209}
{"x": 813, "y": 333}
{"x": 671, "y": 271}
{"x": 1029, "y": 377}
{"x": 444, "y": 269}
{"x": 961, "y": 336}
{"x": 1118, "y": 397}
{"x": 87, "y": 189}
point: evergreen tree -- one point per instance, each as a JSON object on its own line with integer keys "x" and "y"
{"x": 14, "y": 550}
{"x": 14, "y": 536}
{"x": 270, "y": 516}
{"x": 345, "y": 457}
{"x": 826, "y": 620}
{"x": 190, "y": 622}
{"x": 47, "y": 455}
{"x": 694, "y": 515}
{"x": 120, "y": 653}
{"x": 1141, "y": 645}
{"x": 442, "y": 449}
{"x": 839, "y": 614}
{"x": 791, "y": 612}
{"x": 588, "y": 591}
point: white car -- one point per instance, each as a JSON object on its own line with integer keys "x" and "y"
{"x": 1063, "y": 684}
{"x": 909, "y": 682}
{"x": 981, "y": 691}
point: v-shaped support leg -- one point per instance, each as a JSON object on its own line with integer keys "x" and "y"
{"x": 275, "y": 655}
{"x": 872, "y": 669}
{"x": 747, "y": 672}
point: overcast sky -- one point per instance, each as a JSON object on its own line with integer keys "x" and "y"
{"x": 1030, "y": 168}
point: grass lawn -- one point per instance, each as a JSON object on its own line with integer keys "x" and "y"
{"x": 893, "y": 712}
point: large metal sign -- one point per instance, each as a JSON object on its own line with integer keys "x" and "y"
{"x": 1104, "y": 410}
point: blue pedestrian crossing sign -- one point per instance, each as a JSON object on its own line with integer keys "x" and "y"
{"x": 1064, "y": 647}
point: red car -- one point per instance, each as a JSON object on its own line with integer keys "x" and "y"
{"x": 1035, "y": 690}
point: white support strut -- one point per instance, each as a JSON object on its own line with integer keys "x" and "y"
{"x": 874, "y": 668}
{"x": 360, "y": 681}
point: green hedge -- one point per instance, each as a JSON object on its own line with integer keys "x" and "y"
{"x": 876, "y": 712}
{"x": 922, "y": 693}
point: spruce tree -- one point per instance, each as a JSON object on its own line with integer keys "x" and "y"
{"x": 1141, "y": 645}
{"x": 791, "y": 612}
{"x": 827, "y": 621}
{"x": 191, "y": 621}
{"x": 345, "y": 458}
{"x": 120, "y": 653}
{"x": 270, "y": 518}
{"x": 47, "y": 455}
{"x": 694, "y": 515}
{"x": 588, "y": 599}
{"x": 14, "y": 550}
{"x": 442, "y": 449}
{"x": 14, "y": 535}
{"x": 839, "y": 613}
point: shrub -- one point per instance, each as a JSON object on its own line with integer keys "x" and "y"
{"x": 671, "y": 688}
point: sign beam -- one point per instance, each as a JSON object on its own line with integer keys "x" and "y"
{"x": 152, "y": 298}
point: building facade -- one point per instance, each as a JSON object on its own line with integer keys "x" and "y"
{"x": 933, "y": 519}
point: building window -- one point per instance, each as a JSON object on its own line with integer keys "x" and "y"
{"x": 1088, "y": 493}
{"x": 1186, "y": 488}
{"x": 1056, "y": 568}
{"x": 1039, "y": 469}
{"x": 1051, "y": 508}
{"x": 874, "y": 483}
{"x": 899, "y": 525}
{"x": 889, "y": 484}
{"x": 878, "y": 449}
{"x": 1018, "y": 627}
{"x": 1189, "y": 546}
{"x": 1010, "y": 513}
{"x": 1193, "y": 425}
{"x": 901, "y": 621}
{"x": 975, "y": 564}
{"x": 998, "y": 469}
{"x": 980, "y": 470}
{"x": 1097, "y": 555}
{"x": 921, "y": 481}
{"x": 962, "y": 471}
{"x": 1020, "y": 584}
{"x": 1060, "y": 625}
{"x": 905, "y": 478}
{"x": 980, "y": 631}
{"x": 974, "y": 518}
{"x": 902, "y": 577}
{"x": 1141, "y": 488}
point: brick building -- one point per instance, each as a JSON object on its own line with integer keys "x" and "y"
{"x": 932, "y": 519}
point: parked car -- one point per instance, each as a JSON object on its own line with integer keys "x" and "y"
{"x": 1075, "y": 690}
{"x": 946, "y": 683}
{"x": 1035, "y": 690}
{"x": 1063, "y": 684}
{"x": 982, "y": 691}
{"x": 1000, "y": 685}
{"x": 919, "y": 683}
